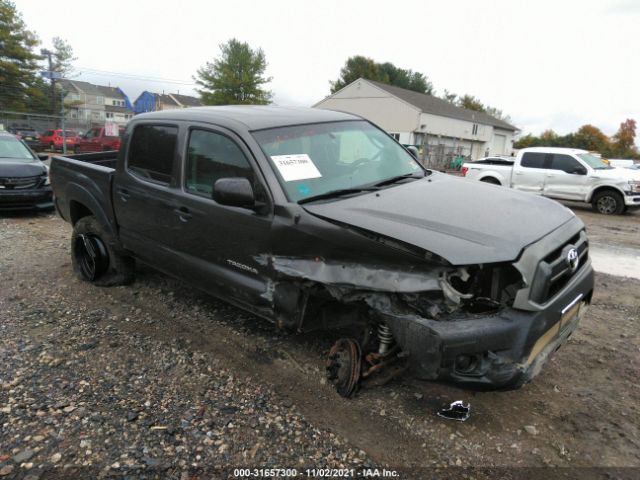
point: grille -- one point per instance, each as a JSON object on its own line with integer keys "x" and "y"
{"x": 19, "y": 183}
{"x": 555, "y": 271}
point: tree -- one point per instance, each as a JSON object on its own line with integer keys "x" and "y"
{"x": 471, "y": 103}
{"x": 62, "y": 57}
{"x": 359, "y": 66}
{"x": 591, "y": 138}
{"x": 355, "y": 68}
{"x": 236, "y": 77}
{"x": 624, "y": 141}
{"x": 18, "y": 62}
{"x": 406, "y": 79}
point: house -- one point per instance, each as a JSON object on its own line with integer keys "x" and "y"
{"x": 87, "y": 105}
{"x": 438, "y": 128}
{"x": 153, "y": 102}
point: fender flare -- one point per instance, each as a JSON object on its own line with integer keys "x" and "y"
{"x": 597, "y": 188}
{"x": 77, "y": 193}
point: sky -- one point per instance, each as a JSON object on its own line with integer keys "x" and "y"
{"x": 555, "y": 64}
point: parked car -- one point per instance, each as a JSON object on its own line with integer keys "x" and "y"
{"x": 52, "y": 139}
{"x": 565, "y": 174}
{"x": 316, "y": 219}
{"x": 24, "y": 180}
{"x": 95, "y": 140}
{"x": 28, "y": 135}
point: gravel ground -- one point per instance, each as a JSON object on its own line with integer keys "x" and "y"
{"x": 157, "y": 380}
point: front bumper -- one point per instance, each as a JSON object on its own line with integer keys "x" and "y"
{"x": 39, "y": 199}
{"x": 500, "y": 351}
{"x": 632, "y": 200}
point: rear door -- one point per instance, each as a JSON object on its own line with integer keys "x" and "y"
{"x": 566, "y": 178}
{"x": 221, "y": 245}
{"x": 144, "y": 194}
{"x": 529, "y": 175}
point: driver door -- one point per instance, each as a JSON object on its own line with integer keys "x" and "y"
{"x": 566, "y": 178}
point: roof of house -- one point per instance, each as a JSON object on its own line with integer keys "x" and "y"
{"x": 437, "y": 106}
{"x": 91, "y": 89}
{"x": 165, "y": 99}
{"x": 187, "y": 100}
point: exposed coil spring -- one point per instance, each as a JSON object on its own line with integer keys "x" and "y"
{"x": 386, "y": 338}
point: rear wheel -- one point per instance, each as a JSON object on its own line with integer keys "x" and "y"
{"x": 76, "y": 149}
{"x": 608, "y": 202}
{"x": 491, "y": 180}
{"x": 95, "y": 258}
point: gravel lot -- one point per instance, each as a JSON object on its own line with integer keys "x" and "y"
{"x": 157, "y": 380}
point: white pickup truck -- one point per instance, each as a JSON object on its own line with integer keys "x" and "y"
{"x": 564, "y": 174}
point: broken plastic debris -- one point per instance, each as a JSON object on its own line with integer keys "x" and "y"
{"x": 456, "y": 411}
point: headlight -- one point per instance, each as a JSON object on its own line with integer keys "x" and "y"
{"x": 634, "y": 187}
{"x": 47, "y": 180}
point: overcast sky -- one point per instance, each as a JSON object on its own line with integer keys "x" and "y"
{"x": 549, "y": 64}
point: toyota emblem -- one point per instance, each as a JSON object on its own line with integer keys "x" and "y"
{"x": 572, "y": 259}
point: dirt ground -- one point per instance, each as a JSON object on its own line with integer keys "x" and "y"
{"x": 580, "y": 413}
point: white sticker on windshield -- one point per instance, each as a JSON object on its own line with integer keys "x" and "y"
{"x": 296, "y": 167}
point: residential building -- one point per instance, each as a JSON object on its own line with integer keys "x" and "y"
{"x": 88, "y": 105}
{"x": 441, "y": 130}
{"x": 153, "y": 102}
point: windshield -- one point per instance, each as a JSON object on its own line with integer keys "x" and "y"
{"x": 593, "y": 161}
{"x": 11, "y": 147}
{"x": 311, "y": 160}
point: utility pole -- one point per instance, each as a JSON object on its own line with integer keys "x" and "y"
{"x": 64, "y": 131}
{"x": 49, "y": 54}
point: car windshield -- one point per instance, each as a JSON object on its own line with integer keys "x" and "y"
{"x": 593, "y": 161}
{"x": 317, "y": 159}
{"x": 14, "y": 149}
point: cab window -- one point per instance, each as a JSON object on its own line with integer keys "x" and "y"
{"x": 152, "y": 153}
{"x": 565, "y": 163}
{"x": 533, "y": 160}
{"x": 211, "y": 156}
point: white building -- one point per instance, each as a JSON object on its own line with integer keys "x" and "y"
{"x": 438, "y": 127}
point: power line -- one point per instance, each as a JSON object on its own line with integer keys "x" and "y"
{"x": 83, "y": 70}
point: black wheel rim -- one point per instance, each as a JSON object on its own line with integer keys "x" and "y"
{"x": 91, "y": 255}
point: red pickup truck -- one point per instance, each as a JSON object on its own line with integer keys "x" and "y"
{"x": 95, "y": 140}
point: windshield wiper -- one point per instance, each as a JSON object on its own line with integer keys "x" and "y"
{"x": 397, "y": 178}
{"x": 335, "y": 193}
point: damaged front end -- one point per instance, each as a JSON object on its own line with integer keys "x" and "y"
{"x": 447, "y": 323}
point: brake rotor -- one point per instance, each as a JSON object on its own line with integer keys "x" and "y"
{"x": 344, "y": 365}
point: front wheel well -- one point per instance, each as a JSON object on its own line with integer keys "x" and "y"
{"x": 77, "y": 211}
{"x": 603, "y": 189}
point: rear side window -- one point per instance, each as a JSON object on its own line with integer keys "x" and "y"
{"x": 212, "y": 156}
{"x": 564, "y": 162}
{"x": 533, "y": 160}
{"x": 152, "y": 152}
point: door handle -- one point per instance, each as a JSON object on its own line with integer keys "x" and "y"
{"x": 124, "y": 194}
{"x": 183, "y": 213}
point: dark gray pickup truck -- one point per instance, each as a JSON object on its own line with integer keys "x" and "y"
{"x": 319, "y": 220}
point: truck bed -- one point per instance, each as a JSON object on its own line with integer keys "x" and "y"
{"x": 88, "y": 176}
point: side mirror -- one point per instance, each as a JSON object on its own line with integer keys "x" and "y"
{"x": 234, "y": 192}
{"x": 43, "y": 157}
{"x": 579, "y": 171}
{"x": 413, "y": 151}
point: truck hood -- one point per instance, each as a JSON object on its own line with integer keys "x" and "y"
{"x": 462, "y": 221}
{"x": 618, "y": 173}
{"x": 13, "y": 168}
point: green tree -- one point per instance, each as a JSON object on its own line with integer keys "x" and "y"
{"x": 406, "y": 79}
{"x": 62, "y": 57}
{"x": 471, "y": 103}
{"x": 236, "y": 77}
{"x": 18, "y": 61}
{"x": 359, "y": 66}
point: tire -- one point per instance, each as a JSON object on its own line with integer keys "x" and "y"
{"x": 95, "y": 258}
{"x": 490, "y": 180}
{"x": 76, "y": 149}
{"x": 608, "y": 202}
